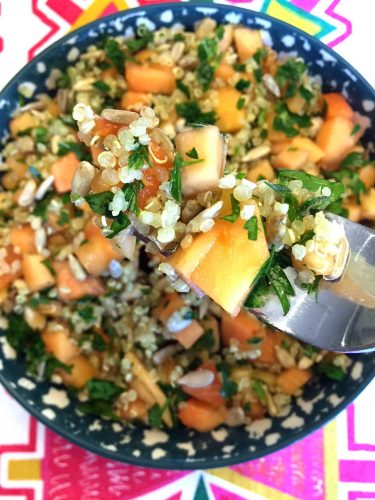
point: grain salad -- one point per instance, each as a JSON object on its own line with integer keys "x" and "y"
{"x": 149, "y": 154}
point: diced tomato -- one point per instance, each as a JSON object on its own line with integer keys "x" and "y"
{"x": 104, "y": 127}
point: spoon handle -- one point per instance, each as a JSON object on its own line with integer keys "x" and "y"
{"x": 342, "y": 316}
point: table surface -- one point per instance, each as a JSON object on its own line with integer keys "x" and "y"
{"x": 337, "y": 462}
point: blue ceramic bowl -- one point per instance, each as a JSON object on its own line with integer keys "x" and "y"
{"x": 181, "y": 448}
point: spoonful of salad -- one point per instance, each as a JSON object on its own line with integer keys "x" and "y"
{"x": 268, "y": 246}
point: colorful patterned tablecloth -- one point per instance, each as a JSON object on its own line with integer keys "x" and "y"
{"x": 337, "y": 462}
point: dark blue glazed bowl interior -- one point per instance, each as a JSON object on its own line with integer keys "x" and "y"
{"x": 180, "y": 448}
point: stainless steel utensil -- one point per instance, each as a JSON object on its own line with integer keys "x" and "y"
{"x": 342, "y": 316}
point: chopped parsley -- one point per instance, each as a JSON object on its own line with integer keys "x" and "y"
{"x": 63, "y": 219}
{"x": 312, "y": 287}
{"x": 41, "y": 135}
{"x": 155, "y": 414}
{"x": 139, "y": 158}
{"x": 306, "y": 94}
{"x": 47, "y": 263}
{"x": 254, "y": 340}
{"x": 73, "y": 147}
{"x": 176, "y": 175}
{"x": 239, "y": 67}
{"x": 259, "y": 391}
{"x": 192, "y": 113}
{"x": 355, "y": 129}
{"x": 236, "y": 208}
{"x": 39, "y": 299}
{"x": 87, "y": 314}
{"x": 242, "y": 85}
{"x": 101, "y": 86}
{"x": 354, "y": 160}
{"x": 206, "y": 341}
{"x": 240, "y": 103}
{"x": 183, "y": 88}
{"x": 145, "y": 36}
{"x": 119, "y": 224}
{"x": 251, "y": 226}
{"x": 193, "y": 153}
{"x": 209, "y": 57}
{"x": 330, "y": 370}
{"x": 115, "y": 54}
{"x": 34, "y": 172}
{"x": 281, "y": 286}
{"x": 102, "y": 395}
{"x": 229, "y": 387}
{"x": 63, "y": 81}
{"x": 288, "y": 76}
{"x": 289, "y": 123}
{"x": 99, "y": 202}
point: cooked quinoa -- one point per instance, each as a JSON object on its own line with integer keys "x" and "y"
{"x": 114, "y": 329}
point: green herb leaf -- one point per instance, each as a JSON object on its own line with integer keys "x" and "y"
{"x": 193, "y": 153}
{"x": 87, "y": 314}
{"x": 236, "y": 208}
{"x": 281, "y": 286}
{"x": 259, "y": 391}
{"x": 251, "y": 226}
{"x": 312, "y": 183}
{"x": 103, "y": 390}
{"x": 309, "y": 350}
{"x": 176, "y": 175}
{"x": 115, "y": 54}
{"x": 354, "y": 160}
{"x": 179, "y": 37}
{"x": 99, "y": 202}
{"x": 289, "y": 123}
{"x": 312, "y": 287}
{"x": 240, "y": 103}
{"x": 229, "y": 387}
{"x": 331, "y": 371}
{"x": 139, "y": 158}
{"x": 254, "y": 340}
{"x": 39, "y": 299}
{"x": 119, "y": 224}
{"x": 278, "y": 188}
{"x": 155, "y": 414}
{"x": 288, "y": 76}
{"x": 131, "y": 192}
{"x": 101, "y": 86}
{"x": 193, "y": 114}
{"x": 63, "y": 219}
{"x": 41, "y": 135}
{"x": 183, "y": 88}
{"x": 242, "y": 85}
{"x": 63, "y": 81}
{"x": 73, "y": 147}
{"x": 205, "y": 342}
{"x": 47, "y": 263}
{"x": 145, "y": 36}
{"x": 306, "y": 94}
{"x": 356, "y": 129}
{"x": 34, "y": 172}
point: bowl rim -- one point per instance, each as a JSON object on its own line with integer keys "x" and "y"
{"x": 169, "y": 463}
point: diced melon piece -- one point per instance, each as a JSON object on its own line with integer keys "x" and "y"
{"x": 337, "y": 105}
{"x": 296, "y": 104}
{"x": 63, "y": 171}
{"x": 210, "y": 394}
{"x": 189, "y": 335}
{"x": 170, "y": 303}
{"x": 143, "y": 56}
{"x": 230, "y": 118}
{"x": 152, "y": 78}
{"x": 135, "y": 410}
{"x": 209, "y": 144}
{"x": 96, "y": 254}
{"x": 134, "y": 100}
{"x": 91, "y": 230}
{"x": 22, "y": 122}
{"x": 293, "y": 379}
{"x": 82, "y": 372}
{"x": 23, "y": 237}
{"x": 10, "y": 267}
{"x": 247, "y": 42}
{"x": 354, "y": 210}
{"x": 367, "y": 175}
{"x": 200, "y": 416}
{"x": 315, "y": 153}
{"x": 292, "y": 159}
{"x": 227, "y": 270}
{"x": 257, "y": 410}
{"x": 242, "y": 328}
{"x": 109, "y": 73}
{"x": 227, "y": 38}
{"x": 69, "y": 288}
{"x": 335, "y": 139}
{"x": 59, "y": 343}
{"x": 16, "y": 172}
{"x": 36, "y": 273}
{"x": 224, "y": 71}
{"x": 261, "y": 169}
{"x": 368, "y": 204}
{"x": 53, "y": 108}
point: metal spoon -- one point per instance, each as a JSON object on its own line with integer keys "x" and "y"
{"x": 342, "y": 317}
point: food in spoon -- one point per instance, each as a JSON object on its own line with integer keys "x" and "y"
{"x": 115, "y": 330}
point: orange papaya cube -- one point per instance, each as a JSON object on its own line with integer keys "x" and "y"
{"x": 291, "y": 158}
{"x": 337, "y": 105}
{"x": 91, "y": 230}
{"x": 202, "y": 176}
{"x": 96, "y": 254}
{"x": 224, "y": 71}
{"x": 210, "y": 394}
{"x": 305, "y": 144}
{"x": 200, "y": 416}
{"x": 247, "y": 42}
{"x": 244, "y": 327}
{"x": 230, "y": 119}
{"x": 135, "y": 410}
{"x": 150, "y": 78}
{"x": 189, "y": 335}
{"x": 336, "y": 140}
{"x": 63, "y": 171}
{"x": 95, "y": 152}
{"x": 261, "y": 169}
{"x": 15, "y": 174}
{"x": 367, "y": 175}
{"x": 134, "y": 100}
{"x": 22, "y": 122}
{"x": 226, "y": 273}
{"x": 53, "y": 108}
{"x": 59, "y": 343}
{"x": 109, "y": 73}
{"x": 36, "y": 273}
{"x": 10, "y": 268}
{"x": 81, "y": 372}
{"x": 292, "y": 380}
{"x": 69, "y": 288}
{"x": 271, "y": 339}
{"x": 169, "y": 304}
{"x": 143, "y": 56}
{"x": 23, "y": 238}
{"x": 368, "y": 204}
{"x": 257, "y": 410}
{"x": 296, "y": 104}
